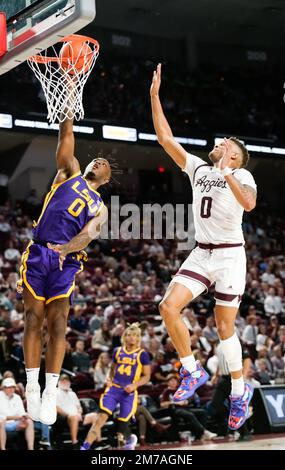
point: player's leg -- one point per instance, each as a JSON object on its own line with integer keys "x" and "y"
{"x": 128, "y": 409}
{"x": 225, "y": 320}
{"x": 176, "y": 298}
{"x": 108, "y": 402}
{"x": 188, "y": 284}
{"x": 32, "y": 341}
{"x": 32, "y": 345}
{"x": 230, "y": 283}
{"x": 56, "y": 314}
{"x": 90, "y": 418}
{"x": 94, "y": 433}
{"x": 241, "y": 393}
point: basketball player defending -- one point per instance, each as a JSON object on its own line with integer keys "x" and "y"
{"x": 220, "y": 195}
{"x": 130, "y": 370}
{"x": 72, "y": 211}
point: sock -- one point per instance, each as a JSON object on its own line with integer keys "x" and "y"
{"x": 231, "y": 349}
{"x": 237, "y": 387}
{"x": 85, "y": 446}
{"x": 51, "y": 381}
{"x": 189, "y": 363}
{"x": 33, "y": 376}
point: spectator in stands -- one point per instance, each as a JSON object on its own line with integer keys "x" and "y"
{"x": 278, "y": 362}
{"x": 98, "y": 278}
{"x": 268, "y": 276}
{"x": 180, "y": 411}
{"x": 5, "y": 227}
{"x": 96, "y": 320}
{"x": 263, "y": 353}
{"x": 250, "y": 332}
{"x": 12, "y": 253}
{"x": 273, "y": 327}
{"x": 13, "y": 411}
{"x": 20, "y": 389}
{"x": 263, "y": 374}
{"x": 5, "y": 324}
{"x": 161, "y": 369}
{"x": 77, "y": 322}
{"x": 272, "y": 303}
{"x": 170, "y": 351}
{"x": 262, "y": 340}
{"x": 198, "y": 341}
{"x": 102, "y": 337}
{"x": 189, "y": 318}
{"x": 113, "y": 311}
{"x": 70, "y": 411}
{"x": 68, "y": 363}
{"x": 210, "y": 331}
{"x": 143, "y": 418}
{"x": 240, "y": 323}
{"x": 117, "y": 332}
{"x": 81, "y": 359}
{"x": 102, "y": 370}
{"x": 281, "y": 340}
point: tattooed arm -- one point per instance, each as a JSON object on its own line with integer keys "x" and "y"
{"x": 90, "y": 232}
{"x": 244, "y": 194}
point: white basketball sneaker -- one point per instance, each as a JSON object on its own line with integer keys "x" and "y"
{"x": 48, "y": 408}
{"x": 33, "y": 396}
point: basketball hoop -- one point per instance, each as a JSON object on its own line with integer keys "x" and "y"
{"x": 64, "y": 74}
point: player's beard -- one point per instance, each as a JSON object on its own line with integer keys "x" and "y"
{"x": 214, "y": 157}
{"x": 90, "y": 176}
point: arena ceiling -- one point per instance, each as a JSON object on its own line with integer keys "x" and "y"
{"x": 254, "y": 22}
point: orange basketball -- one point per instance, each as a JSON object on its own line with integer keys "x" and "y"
{"x": 76, "y": 57}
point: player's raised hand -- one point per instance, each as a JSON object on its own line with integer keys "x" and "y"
{"x": 62, "y": 252}
{"x": 156, "y": 81}
{"x": 226, "y": 158}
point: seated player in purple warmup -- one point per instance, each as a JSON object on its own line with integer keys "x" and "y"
{"x": 130, "y": 370}
{"x": 73, "y": 210}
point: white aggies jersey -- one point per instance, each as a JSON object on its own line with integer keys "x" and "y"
{"x": 217, "y": 213}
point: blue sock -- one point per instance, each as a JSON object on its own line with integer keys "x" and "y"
{"x": 85, "y": 446}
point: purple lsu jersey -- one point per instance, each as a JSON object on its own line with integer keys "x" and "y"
{"x": 128, "y": 370}
{"x": 128, "y": 365}
{"x": 67, "y": 208}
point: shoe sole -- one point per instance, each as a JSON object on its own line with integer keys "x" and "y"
{"x": 204, "y": 379}
{"x": 246, "y": 416}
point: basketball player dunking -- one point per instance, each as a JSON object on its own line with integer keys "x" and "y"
{"x": 220, "y": 195}
{"x": 72, "y": 213}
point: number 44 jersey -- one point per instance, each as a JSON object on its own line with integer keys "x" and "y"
{"x": 67, "y": 208}
{"x": 128, "y": 365}
{"x": 217, "y": 213}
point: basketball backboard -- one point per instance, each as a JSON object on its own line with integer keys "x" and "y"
{"x": 35, "y": 25}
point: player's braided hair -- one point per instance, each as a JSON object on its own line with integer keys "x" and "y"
{"x": 242, "y": 147}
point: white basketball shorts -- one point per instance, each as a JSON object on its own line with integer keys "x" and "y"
{"x": 223, "y": 267}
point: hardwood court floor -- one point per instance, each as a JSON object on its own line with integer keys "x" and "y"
{"x": 256, "y": 442}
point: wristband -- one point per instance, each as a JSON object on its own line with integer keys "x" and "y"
{"x": 226, "y": 171}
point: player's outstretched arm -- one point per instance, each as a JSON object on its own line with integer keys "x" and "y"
{"x": 161, "y": 126}
{"x": 90, "y": 232}
{"x": 67, "y": 164}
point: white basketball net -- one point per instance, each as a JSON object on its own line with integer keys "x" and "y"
{"x": 63, "y": 81}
